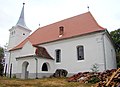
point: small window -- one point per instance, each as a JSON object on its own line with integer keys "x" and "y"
{"x": 61, "y": 30}
{"x": 80, "y": 52}
{"x": 23, "y": 33}
{"x": 58, "y": 55}
{"x": 12, "y": 33}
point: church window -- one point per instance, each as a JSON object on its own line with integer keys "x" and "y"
{"x": 14, "y": 32}
{"x": 23, "y": 33}
{"x": 58, "y": 55}
{"x": 44, "y": 67}
{"x": 80, "y": 53}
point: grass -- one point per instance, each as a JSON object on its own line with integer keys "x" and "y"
{"x": 44, "y": 82}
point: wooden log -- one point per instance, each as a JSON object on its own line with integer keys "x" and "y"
{"x": 113, "y": 75}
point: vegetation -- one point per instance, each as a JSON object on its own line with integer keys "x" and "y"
{"x": 44, "y": 82}
{"x": 94, "y": 79}
{"x": 95, "y": 68}
{"x": 1, "y": 64}
{"x": 116, "y": 38}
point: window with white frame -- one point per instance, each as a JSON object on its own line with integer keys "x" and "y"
{"x": 58, "y": 55}
{"x": 80, "y": 52}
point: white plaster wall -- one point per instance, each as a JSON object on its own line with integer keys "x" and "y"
{"x": 19, "y": 32}
{"x": 32, "y": 65}
{"x": 27, "y": 49}
{"x": 93, "y": 53}
{"x": 51, "y": 67}
{"x": 16, "y": 36}
{"x": 13, "y": 55}
{"x": 109, "y": 54}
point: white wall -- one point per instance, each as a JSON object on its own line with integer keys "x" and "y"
{"x": 93, "y": 53}
{"x": 27, "y": 49}
{"x": 110, "y": 54}
{"x": 12, "y": 58}
{"x": 32, "y": 66}
{"x": 16, "y": 36}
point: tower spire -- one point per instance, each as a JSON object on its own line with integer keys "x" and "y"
{"x": 21, "y": 20}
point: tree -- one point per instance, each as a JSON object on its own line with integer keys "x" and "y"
{"x": 1, "y": 58}
{"x": 116, "y": 38}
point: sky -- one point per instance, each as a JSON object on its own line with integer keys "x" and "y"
{"x": 45, "y": 12}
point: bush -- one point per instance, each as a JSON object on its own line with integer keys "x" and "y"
{"x": 95, "y": 68}
{"x": 1, "y": 69}
{"x": 14, "y": 76}
{"x": 94, "y": 79}
{"x": 118, "y": 59}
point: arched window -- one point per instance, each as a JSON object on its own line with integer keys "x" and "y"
{"x": 44, "y": 67}
{"x": 58, "y": 55}
{"x": 80, "y": 53}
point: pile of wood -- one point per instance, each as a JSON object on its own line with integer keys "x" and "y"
{"x": 111, "y": 81}
{"x": 81, "y": 77}
{"x": 60, "y": 73}
{"x": 110, "y": 78}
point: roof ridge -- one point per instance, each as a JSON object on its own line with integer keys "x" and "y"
{"x": 96, "y": 21}
{"x": 64, "y": 19}
{"x": 74, "y": 26}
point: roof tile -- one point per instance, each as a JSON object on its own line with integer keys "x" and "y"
{"x": 74, "y": 26}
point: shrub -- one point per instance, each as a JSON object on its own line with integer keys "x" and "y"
{"x": 14, "y": 76}
{"x": 95, "y": 68}
{"x": 94, "y": 79}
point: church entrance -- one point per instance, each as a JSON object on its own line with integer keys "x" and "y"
{"x": 25, "y": 72}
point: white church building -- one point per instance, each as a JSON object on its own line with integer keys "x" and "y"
{"x": 73, "y": 44}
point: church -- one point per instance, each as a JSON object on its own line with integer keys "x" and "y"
{"x": 74, "y": 44}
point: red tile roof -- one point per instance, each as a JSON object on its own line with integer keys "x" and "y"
{"x": 42, "y": 52}
{"x": 74, "y": 26}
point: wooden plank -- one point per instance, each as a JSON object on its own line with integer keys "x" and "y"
{"x": 113, "y": 75}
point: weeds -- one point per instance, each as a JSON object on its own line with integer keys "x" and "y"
{"x": 44, "y": 82}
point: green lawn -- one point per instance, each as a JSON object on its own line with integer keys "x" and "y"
{"x": 44, "y": 82}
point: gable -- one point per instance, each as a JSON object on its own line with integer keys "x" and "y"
{"x": 74, "y": 26}
{"x": 27, "y": 49}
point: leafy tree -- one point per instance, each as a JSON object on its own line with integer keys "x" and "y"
{"x": 116, "y": 38}
{"x": 1, "y": 64}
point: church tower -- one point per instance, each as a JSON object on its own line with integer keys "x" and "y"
{"x": 19, "y": 32}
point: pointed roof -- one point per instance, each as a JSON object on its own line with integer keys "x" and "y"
{"x": 21, "y": 21}
{"x": 75, "y": 26}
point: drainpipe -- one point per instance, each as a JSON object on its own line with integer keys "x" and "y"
{"x": 104, "y": 53}
{"x": 36, "y": 68}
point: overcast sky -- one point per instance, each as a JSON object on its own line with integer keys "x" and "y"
{"x": 44, "y": 12}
